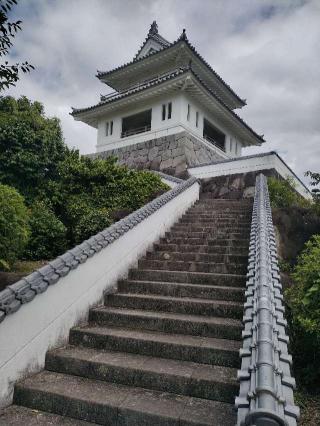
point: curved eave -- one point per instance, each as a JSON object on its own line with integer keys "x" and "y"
{"x": 91, "y": 115}
{"x": 108, "y": 77}
{"x": 189, "y": 82}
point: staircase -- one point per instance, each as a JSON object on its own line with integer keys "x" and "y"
{"x": 163, "y": 350}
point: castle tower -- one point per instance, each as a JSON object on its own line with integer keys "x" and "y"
{"x": 169, "y": 110}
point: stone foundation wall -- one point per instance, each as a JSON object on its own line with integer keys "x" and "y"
{"x": 237, "y": 186}
{"x": 169, "y": 154}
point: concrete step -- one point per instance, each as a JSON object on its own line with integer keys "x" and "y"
{"x": 16, "y": 415}
{"x": 182, "y": 290}
{"x": 210, "y": 234}
{"x": 118, "y": 405}
{"x": 178, "y": 305}
{"x": 205, "y": 350}
{"x": 220, "y": 268}
{"x": 167, "y": 322}
{"x": 197, "y": 257}
{"x": 198, "y": 227}
{"x": 179, "y": 377}
{"x": 218, "y": 240}
{"x": 232, "y": 280}
{"x": 193, "y": 248}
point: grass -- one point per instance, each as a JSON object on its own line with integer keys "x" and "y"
{"x": 27, "y": 266}
{"x": 309, "y": 408}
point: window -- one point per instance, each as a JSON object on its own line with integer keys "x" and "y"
{"x": 213, "y": 135}
{"x": 107, "y": 128}
{"x": 188, "y": 113}
{"x": 165, "y": 108}
{"x": 197, "y": 119}
{"x": 136, "y": 123}
{"x": 111, "y": 127}
{"x": 163, "y": 112}
{"x": 169, "y": 110}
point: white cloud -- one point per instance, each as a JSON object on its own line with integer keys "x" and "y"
{"x": 267, "y": 50}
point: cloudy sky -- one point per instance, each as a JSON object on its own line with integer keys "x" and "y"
{"x": 267, "y": 50}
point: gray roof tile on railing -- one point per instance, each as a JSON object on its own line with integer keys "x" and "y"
{"x": 266, "y": 384}
{"x": 24, "y": 291}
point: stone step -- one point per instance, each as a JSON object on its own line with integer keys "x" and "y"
{"x": 178, "y": 305}
{"x": 196, "y": 227}
{"x": 182, "y": 290}
{"x": 232, "y": 280}
{"x": 16, "y": 415}
{"x": 209, "y": 235}
{"x": 223, "y": 203}
{"x": 197, "y": 257}
{"x": 218, "y": 240}
{"x": 208, "y": 205}
{"x": 220, "y": 268}
{"x": 168, "y": 322}
{"x": 179, "y": 377}
{"x": 205, "y": 350}
{"x": 118, "y": 405}
{"x": 193, "y": 248}
{"x": 207, "y": 216}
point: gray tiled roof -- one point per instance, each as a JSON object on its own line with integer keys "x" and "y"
{"x": 266, "y": 384}
{"x": 182, "y": 39}
{"x": 160, "y": 80}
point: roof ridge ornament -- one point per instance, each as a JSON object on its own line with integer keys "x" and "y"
{"x": 153, "y": 28}
{"x": 183, "y": 35}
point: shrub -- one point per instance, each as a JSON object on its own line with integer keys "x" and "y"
{"x": 92, "y": 222}
{"x": 14, "y": 231}
{"x": 48, "y": 233}
{"x": 282, "y": 194}
{"x": 303, "y": 299}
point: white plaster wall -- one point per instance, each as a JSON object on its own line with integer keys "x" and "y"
{"x": 44, "y": 323}
{"x": 157, "y": 124}
{"x": 191, "y": 124}
{"x": 245, "y": 165}
{"x": 177, "y": 123}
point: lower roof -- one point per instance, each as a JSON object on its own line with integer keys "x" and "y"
{"x": 184, "y": 79}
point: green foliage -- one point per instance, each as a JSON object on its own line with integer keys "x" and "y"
{"x": 14, "y": 231}
{"x": 315, "y": 183}
{"x": 282, "y": 194}
{"x": 9, "y": 74}
{"x": 303, "y": 299}
{"x": 92, "y": 222}
{"x": 103, "y": 186}
{"x": 31, "y": 147}
{"x": 48, "y": 233}
{"x": 78, "y": 193}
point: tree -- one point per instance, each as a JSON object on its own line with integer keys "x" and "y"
{"x": 9, "y": 74}
{"x": 315, "y": 182}
{"x": 31, "y": 147}
{"x": 14, "y": 229}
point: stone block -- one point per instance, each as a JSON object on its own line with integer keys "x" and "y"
{"x": 153, "y": 152}
{"x": 177, "y": 152}
{"x": 249, "y": 192}
{"x": 178, "y": 160}
{"x": 166, "y": 155}
{"x": 166, "y": 164}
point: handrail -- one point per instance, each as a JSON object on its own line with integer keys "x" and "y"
{"x": 136, "y": 131}
{"x": 211, "y": 140}
{"x": 266, "y": 384}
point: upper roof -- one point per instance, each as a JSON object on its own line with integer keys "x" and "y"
{"x": 153, "y": 43}
{"x": 157, "y": 55}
